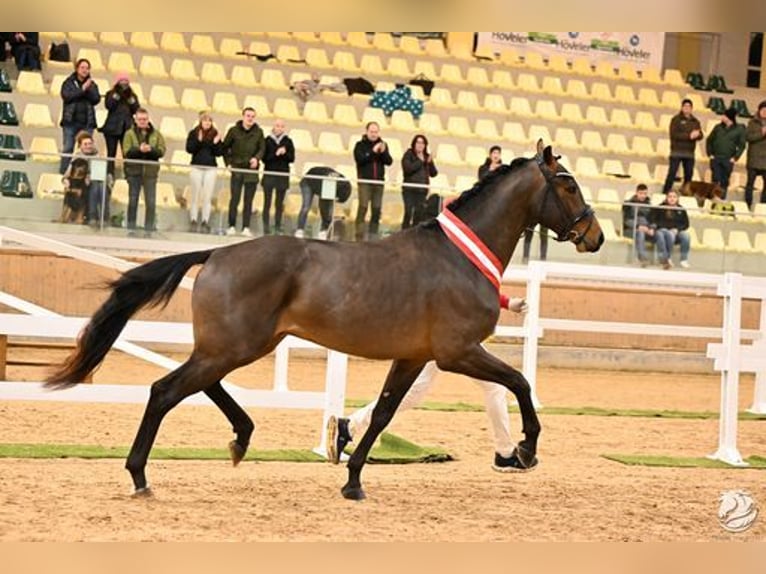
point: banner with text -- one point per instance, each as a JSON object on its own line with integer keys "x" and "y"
{"x": 642, "y": 49}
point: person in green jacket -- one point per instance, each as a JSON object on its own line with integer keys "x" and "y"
{"x": 756, "y": 154}
{"x": 724, "y": 146}
{"x": 145, "y": 144}
{"x": 243, "y": 149}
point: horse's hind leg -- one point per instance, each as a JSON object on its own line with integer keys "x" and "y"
{"x": 241, "y": 422}
{"x": 399, "y": 380}
{"x": 479, "y": 364}
{"x": 194, "y": 375}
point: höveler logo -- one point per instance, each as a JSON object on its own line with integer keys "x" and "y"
{"x": 737, "y": 511}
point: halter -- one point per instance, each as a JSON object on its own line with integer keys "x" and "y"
{"x": 587, "y": 211}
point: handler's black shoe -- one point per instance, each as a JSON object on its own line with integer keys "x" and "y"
{"x": 511, "y": 463}
{"x": 338, "y": 436}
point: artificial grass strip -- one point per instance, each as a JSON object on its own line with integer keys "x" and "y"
{"x": 576, "y": 411}
{"x": 755, "y": 462}
{"x": 392, "y": 449}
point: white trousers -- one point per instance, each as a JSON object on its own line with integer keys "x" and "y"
{"x": 495, "y": 404}
{"x": 202, "y": 188}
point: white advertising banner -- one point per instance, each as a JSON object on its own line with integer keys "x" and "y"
{"x": 642, "y": 49}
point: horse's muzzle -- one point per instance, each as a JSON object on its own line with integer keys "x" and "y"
{"x": 590, "y": 244}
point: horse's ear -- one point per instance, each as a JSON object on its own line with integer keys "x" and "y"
{"x": 540, "y": 146}
{"x": 548, "y": 158}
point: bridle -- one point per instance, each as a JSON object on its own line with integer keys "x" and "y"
{"x": 568, "y": 233}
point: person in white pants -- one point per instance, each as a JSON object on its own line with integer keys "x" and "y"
{"x": 204, "y": 145}
{"x": 340, "y": 431}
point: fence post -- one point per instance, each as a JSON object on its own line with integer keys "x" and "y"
{"x": 730, "y": 288}
{"x": 759, "y": 394}
{"x": 281, "y": 358}
{"x": 334, "y": 394}
{"x": 532, "y": 328}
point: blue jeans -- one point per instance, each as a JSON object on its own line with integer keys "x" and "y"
{"x": 150, "y": 200}
{"x": 640, "y": 241}
{"x": 688, "y": 165}
{"x": 67, "y": 146}
{"x": 722, "y": 168}
{"x": 325, "y": 208}
{"x": 95, "y": 199}
{"x": 665, "y": 239}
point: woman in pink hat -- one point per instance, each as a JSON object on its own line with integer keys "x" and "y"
{"x": 122, "y": 103}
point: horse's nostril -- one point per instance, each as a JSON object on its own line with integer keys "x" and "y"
{"x": 601, "y": 239}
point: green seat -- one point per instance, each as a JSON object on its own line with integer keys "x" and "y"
{"x": 741, "y": 107}
{"x": 5, "y": 81}
{"x": 696, "y": 81}
{"x": 721, "y": 86}
{"x": 15, "y": 184}
{"x": 716, "y": 105}
{"x": 8, "y": 115}
{"x": 10, "y": 142}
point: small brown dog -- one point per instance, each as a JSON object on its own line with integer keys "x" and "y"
{"x": 702, "y": 190}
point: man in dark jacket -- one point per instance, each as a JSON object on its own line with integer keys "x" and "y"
{"x": 243, "y": 149}
{"x": 279, "y": 154}
{"x": 671, "y": 226}
{"x": 636, "y": 221}
{"x": 756, "y": 153}
{"x": 121, "y": 103}
{"x": 80, "y": 95}
{"x": 371, "y": 156}
{"x": 685, "y": 131}
{"x": 724, "y": 145}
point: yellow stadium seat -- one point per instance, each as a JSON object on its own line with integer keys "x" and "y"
{"x": 501, "y": 79}
{"x": 608, "y": 198}
{"x": 586, "y": 167}
{"x": 403, "y": 121}
{"x": 582, "y": 66}
{"x": 468, "y": 100}
{"x": 317, "y": 58}
{"x": 760, "y": 242}
{"x": 243, "y": 76}
{"x": 674, "y": 77}
{"x": 166, "y": 194}
{"x": 609, "y": 230}
{"x": 537, "y": 131}
{"x": 395, "y": 149}
{"x": 546, "y": 110}
{"x": 226, "y": 103}
{"x": 426, "y": 68}
{"x": 558, "y": 63}
{"x": 596, "y": 115}
{"x": 372, "y": 64}
{"x": 121, "y": 62}
{"x": 113, "y": 38}
{"x": 514, "y": 133}
{"x": 203, "y": 45}
{"x": 332, "y": 38}
{"x": 173, "y": 128}
{"x": 712, "y": 238}
{"x": 374, "y": 115}
{"x": 449, "y": 154}
{"x": 442, "y": 98}
{"x": 601, "y": 91}
{"x": 605, "y": 69}
{"x": 534, "y": 60}
{"x": 179, "y": 161}
{"x": 357, "y": 39}
{"x": 316, "y": 112}
{"x": 648, "y": 97}
{"x": 44, "y": 150}
{"x": 431, "y": 124}
{"x": 651, "y": 75}
{"x": 572, "y": 113}
{"x": 642, "y": 145}
{"x": 285, "y": 53}
{"x": 577, "y": 89}
{"x": 93, "y": 55}
{"x": 87, "y": 37}
{"x": 460, "y": 50}
{"x": 510, "y": 57}
{"x": 50, "y": 186}
{"x": 384, "y": 41}
{"x": 520, "y": 107}
{"x": 229, "y": 47}
{"x": 451, "y": 73}
{"x": 344, "y": 61}
{"x": 143, "y": 40}
{"x": 399, "y": 67}
{"x": 739, "y": 241}
{"x": 486, "y": 128}
{"x": 410, "y": 45}
{"x": 281, "y": 35}
{"x": 528, "y": 83}
{"x": 37, "y": 116}
{"x": 194, "y": 99}
{"x": 475, "y": 155}
{"x": 566, "y": 138}
{"x": 182, "y": 69}
{"x": 173, "y": 42}
{"x": 639, "y": 171}
{"x": 627, "y": 71}
{"x": 741, "y": 210}
{"x": 152, "y": 67}
{"x": 459, "y": 126}
{"x": 330, "y": 142}
{"x": 478, "y": 77}
{"x": 120, "y": 192}
{"x": 621, "y": 118}
{"x": 274, "y": 79}
{"x": 417, "y": 93}
{"x": 259, "y": 48}
{"x": 31, "y": 83}
{"x": 163, "y": 96}
{"x": 612, "y": 167}
{"x": 552, "y": 85}
{"x": 286, "y": 108}
{"x": 696, "y": 99}
{"x": 435, "y": 47}
{"x": 384, "y": 86}
{"x": 671, "y": 99}
{"x": 624, "y": 94}
{"x": 303, "y": 140}
{"x": 495, "y": 103}
{"x": 345, "y": 115}
{"x": 587, "y": 195}
{"x": 213, "y": 73}
{"x": 645, "y": 121}
{"x": 306, "y": 36}
{"x": 259, "y": 104}
{"x": 55, "y": 86}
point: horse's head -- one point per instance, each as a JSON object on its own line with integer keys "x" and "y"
{"x": 563, "y": 209}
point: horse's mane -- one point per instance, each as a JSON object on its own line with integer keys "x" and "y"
{"x": 479, "y": 186}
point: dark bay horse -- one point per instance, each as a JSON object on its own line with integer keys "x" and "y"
{"x": 411, "y": 297}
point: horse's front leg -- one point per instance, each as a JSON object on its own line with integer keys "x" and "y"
{"x": 399, "y": 380}
{"x": 477, "y": 363}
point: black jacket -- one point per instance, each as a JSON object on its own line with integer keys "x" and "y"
{"x": 417, "y": 171}
{"x": 79, "y": 104}
{"x": 636, "y": 215}
{"x": 203, "y": 152}
{"x": 343, "y": 189}
{"x": 370, "y": 165}
{"x": 670, "y": 218}
{"x": 121, "y": 104}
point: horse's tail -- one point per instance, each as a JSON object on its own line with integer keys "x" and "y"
{"x": 150, "y": 284}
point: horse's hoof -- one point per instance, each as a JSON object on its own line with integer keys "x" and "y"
{"x": 526, "y": 459}
{"x": 145, "y": 492}
{"x": 236, "y": 452}
{"x": 353, "y": 493}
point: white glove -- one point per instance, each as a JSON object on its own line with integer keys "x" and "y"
{"x": 518, "y": 305}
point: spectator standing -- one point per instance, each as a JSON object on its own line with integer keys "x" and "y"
{"x": 243, "y": 149}
{"x": 724, "y": 146}
{"x": 25, "y": 47}
{"x": 371, "y": 156}
{"x": 672, "y": 224}
{"x": 685, "y": 130}
{"x": 494, "y": 160}
{"x": 204, "y": 144}
{"x": 417, "y": 167}
{"x": 636, "y": 221}
{"x": 121, "y": 103}
{"x": 80, "y": 96}
{"x": 311, "y": 185}
{"x": 144, "y": 143}
{"x": 756, "y": 154}
{"x": 278, "y": 155}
